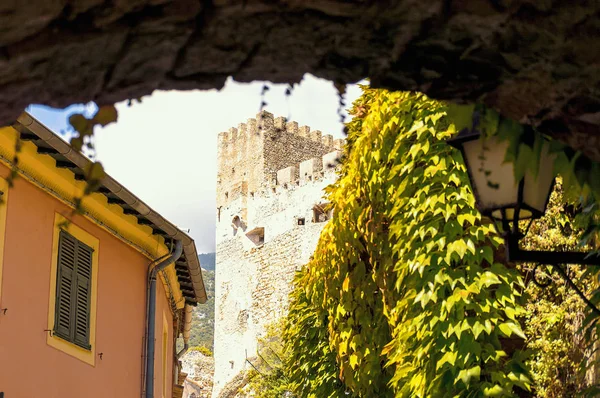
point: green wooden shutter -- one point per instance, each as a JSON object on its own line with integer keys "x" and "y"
{"x": 82, "y": 302}
{"x": 63, "y": 324}
{"x": 73, "y": 288}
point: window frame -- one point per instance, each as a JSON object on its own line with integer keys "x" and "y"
{"x": 325, "y": 209}
{"x": 3, "y": 212}
{"x": 78, "y": 248}
{"x": 87, "y": 355}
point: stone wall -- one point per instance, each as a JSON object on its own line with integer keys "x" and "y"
{"x": 286, "y": 144}
{"x": 264, "y": 234}
{"x": 199, "y": 369}
{"x": 250, "y": 155}
{"x": 534, "y": 61}
{"x": 239, "y": 160}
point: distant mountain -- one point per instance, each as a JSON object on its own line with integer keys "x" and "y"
{"x": 207, "y": 261}
{"x": 203, "y": 319}
{"x": 204, "y": 314}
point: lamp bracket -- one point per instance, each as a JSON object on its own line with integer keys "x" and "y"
{"x": 555, "y": 259}
{"x": 515, "y": 254}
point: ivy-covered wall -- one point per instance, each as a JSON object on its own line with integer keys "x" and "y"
{"x": 404, "y": 297}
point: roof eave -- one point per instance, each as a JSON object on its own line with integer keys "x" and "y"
{"x": 113, "y": 188}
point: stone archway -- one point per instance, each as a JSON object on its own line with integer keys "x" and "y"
{"x": 535, "y": 62}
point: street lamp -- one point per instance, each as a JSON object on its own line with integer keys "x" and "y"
{"x": 506, "y": 201}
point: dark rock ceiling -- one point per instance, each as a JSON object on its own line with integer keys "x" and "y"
{"x": 536, "y": 61}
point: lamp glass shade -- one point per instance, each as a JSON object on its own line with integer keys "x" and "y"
{"x": 497, "y": 193}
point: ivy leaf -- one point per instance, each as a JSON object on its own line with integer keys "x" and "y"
{"x": 77, "y": 143}
{"x": 353, "y": 360}
{"x": 346, "y": 284}
{"x": 494, "y": 391}
{"x": 448, "y": 357}
{"x": 95, "y": 171}
{"x": 465, "y": 375}
{"x": 106, "y": 114}
{"x": 510, "y": 313}
{"x": 477, "y": 329}
{"x": 461, "y": 115}
{"x": 80, "y": 123}
{"x": 522, "y": 162}
{"x": 508, "y": 328}
{"x": 487, "y": 254}
{"x": 487, "y": 279}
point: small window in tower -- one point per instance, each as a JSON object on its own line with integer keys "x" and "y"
{"x": 233, "y": 170}
{"x": 301, "y": 221}
{"x": 322, "y": 212}
{"x": 236, "y": 223}
{"x": 226, "y": 195}
{"x": 257, "y": 236}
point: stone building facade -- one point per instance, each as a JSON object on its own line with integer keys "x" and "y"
{"x": 270, "y": 212}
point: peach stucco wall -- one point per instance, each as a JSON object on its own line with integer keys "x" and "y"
{"x": 31, "y": 368}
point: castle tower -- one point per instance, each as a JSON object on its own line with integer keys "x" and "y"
{"x": 270, "y": 212}
{"x": 250, "y": 155}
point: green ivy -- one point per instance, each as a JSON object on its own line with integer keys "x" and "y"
{"x": 310, "y": 360}
{"x": 268, "y": 377}
{"x": 580, "y": 187}
{"x": 404, "y": 297}
{"x": 579, "y": 173}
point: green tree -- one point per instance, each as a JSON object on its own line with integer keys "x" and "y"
{"x": 555, "y": 314}
{"x": 203, "y": 318}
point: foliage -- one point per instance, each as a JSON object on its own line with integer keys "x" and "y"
{"x": 310, "y": 360}
{"x": 580, "y": 187}
{"x": 403, "y": 296}
{"x": 203, "y": 317}
{"x": 84, "y": 126}
{"x": 554, "y": 314}
{"x": 268, "y": 377}
{"x": 579, "y": 173}
{"x": 202, "y": 350}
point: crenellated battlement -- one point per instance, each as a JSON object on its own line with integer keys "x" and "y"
{"x": 265, "y": 121}
{"x": 309, "y": 170}
{"x": 256, "y": 151}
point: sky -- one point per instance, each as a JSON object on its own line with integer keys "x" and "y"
{"x": 164, "y": 149}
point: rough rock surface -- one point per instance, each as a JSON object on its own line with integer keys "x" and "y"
{"x": 537, "y": 61}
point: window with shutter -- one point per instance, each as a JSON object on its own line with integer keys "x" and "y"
{"x": 73, "y": 288}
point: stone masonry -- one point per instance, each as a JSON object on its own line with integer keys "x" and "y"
{"x": 537, "y": 62}
{"x": 270, "y": 213}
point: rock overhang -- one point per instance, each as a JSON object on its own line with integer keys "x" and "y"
{"x": 535, "y": 62}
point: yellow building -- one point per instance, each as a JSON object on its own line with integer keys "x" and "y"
{"x": 81, "y": 311}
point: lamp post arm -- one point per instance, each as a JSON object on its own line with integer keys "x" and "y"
{"x": 515, "y": 254}
{"x": 552, "y": 258}
{"x": 555, "y": 259}
{"x": 573, "y": 286}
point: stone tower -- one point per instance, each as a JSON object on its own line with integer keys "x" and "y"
{"x": 270, "y": 212}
